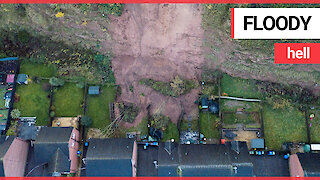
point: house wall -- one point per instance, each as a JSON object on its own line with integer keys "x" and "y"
{"x": 134, "y": 159}
{"x": 73, "y": 149}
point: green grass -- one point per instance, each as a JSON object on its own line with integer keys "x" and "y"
{"x": 33, "y": 102}
{"x": 3, "y": 91}
{"x": 233, "y": 105}
{"x": 142, "y": 127}
{"x": 315, "y": 127}
{"x": 283, "y": 125}
{"x": 208, "y": 125}
{"x": 185, "y": 125}
{"x": 98, "y": 107}
{"x": 4, "y": 118}
{"x": 40, "y": 70}
{"x": 233, "y": 118}
{"x": 68, "y": 100}
{"x": 238, "y": 87}
{"x": 171, "y": 132}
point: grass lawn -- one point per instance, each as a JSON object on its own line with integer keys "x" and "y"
{"x": 185, "y": 125}
{"x": 98, "y": 107}
{"x": 68, "y": 100}
{"x": 3, "y": 91}
{"x": 283, "y": 125}
{"x": 142, "y": 127}
{"x": 233, "y": 118}
{"x": 238, "y": 87}
{"x": 315, "y": 127}
{"x": 208, "y": 125}
{"x": 33, "y": 102}
{"x": 233, "y": 105}
{"x": 40, "y": 70}
{"x": 171, "y": 132}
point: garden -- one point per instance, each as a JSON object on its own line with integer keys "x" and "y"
{"x": 174, "y": 88}
{"x": 33, "y": 100}
{"x": 285, "y": 124}
{"x": 171, "y": 132}
{"x": 98, "y": 106}
{"x": 209, "y": 125}
{"x": 314, "y": 124}
{"x": 68, "y": 100}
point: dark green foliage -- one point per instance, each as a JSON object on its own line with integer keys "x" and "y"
{"x": 128, "y": 111}
{"x": 56, "y": 81}
{"x": 80, "y": 84}
{"x": 86, "y": 121}
{"x": 35, "y": 79}
{"x": 295, "y": 93}
{"x": 174, "y": 88}
{"x": 52, "y": 114}
{"x": 46, "y": 86}
{"x": 23, "y": 36}
{"x": 113, "y": 9}
{"x": 105, "y": 68}
{"x": 159, "y": 121}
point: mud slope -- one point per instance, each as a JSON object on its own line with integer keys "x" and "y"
{"x": 158, "y": 42}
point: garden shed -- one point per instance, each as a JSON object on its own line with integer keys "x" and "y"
{"x": 94, "y": 90}
{"x": 257, "y": 143}
{"x": 22, "y": 79}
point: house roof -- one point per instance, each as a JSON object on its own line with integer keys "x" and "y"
{"x": 257, "y": 143}
{"x": 94, "y": 90}
{"x": 15, "y": 159}
{"x": 310, "y": 163}
{"x": 109, "y": 157}
{"x": 58, "y": 163}
{"x": 110, "y": 148}
{"x": 53, "y": 135}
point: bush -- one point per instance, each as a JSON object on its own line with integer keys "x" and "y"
{"x": 52, "y": 114}
{"x": 80, "y": 84}
{"x": 128, "y": 112}
{"x": 175, "y": 88}
{"x": 86, "y": 121}
{"x": 46, "y": 86}
{"x": 35, "y": 79}
{"x": 15, "y": 113}
{"x": 114, "y": 9}
{"x": 56, "y": 81}
{"x": 159, "y": 121}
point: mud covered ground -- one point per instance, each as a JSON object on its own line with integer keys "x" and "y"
{"x": 158, "y": 42}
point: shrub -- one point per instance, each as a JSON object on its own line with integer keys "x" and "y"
{"x": 46, "y": 86}
{"x": 86, "y": 121}
{"x": 114, "y": 9}
{"x": 159, "y": 121}
{"x": 52, "y": 114}
{"x": 128, "y": 111}
{"x": 15, "y": 113}
{"x": 80, "y": 84}
{"x": 35, "y": 79}
{"x": 175, "y": 88}
{"x": 56, "y": 81}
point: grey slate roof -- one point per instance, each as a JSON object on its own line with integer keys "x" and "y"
{"x": 58, "y": 163}
{"x": 109, "y": 157}
{"x": 53, "y": 135}
{"x": 257, "y": 143}
{"x": 310, "y": 163}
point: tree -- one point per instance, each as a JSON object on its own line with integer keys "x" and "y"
{"x": 15, "y": 114}
{"x": 177, "y": 86}
{"x": 80, "y": 84}
{"x": 46, "y": 86}
{"x": 86, "y": 121}
{"x": 56, "y": 81}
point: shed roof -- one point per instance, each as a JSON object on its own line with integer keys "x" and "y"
{"x": 94, "y": 90}
{"x": 22, "y": 78}
{"x": 53, "y": 135}
{"x": 257, "y": 143}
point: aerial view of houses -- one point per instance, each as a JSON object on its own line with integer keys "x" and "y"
{"x": 144, "y": 90}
